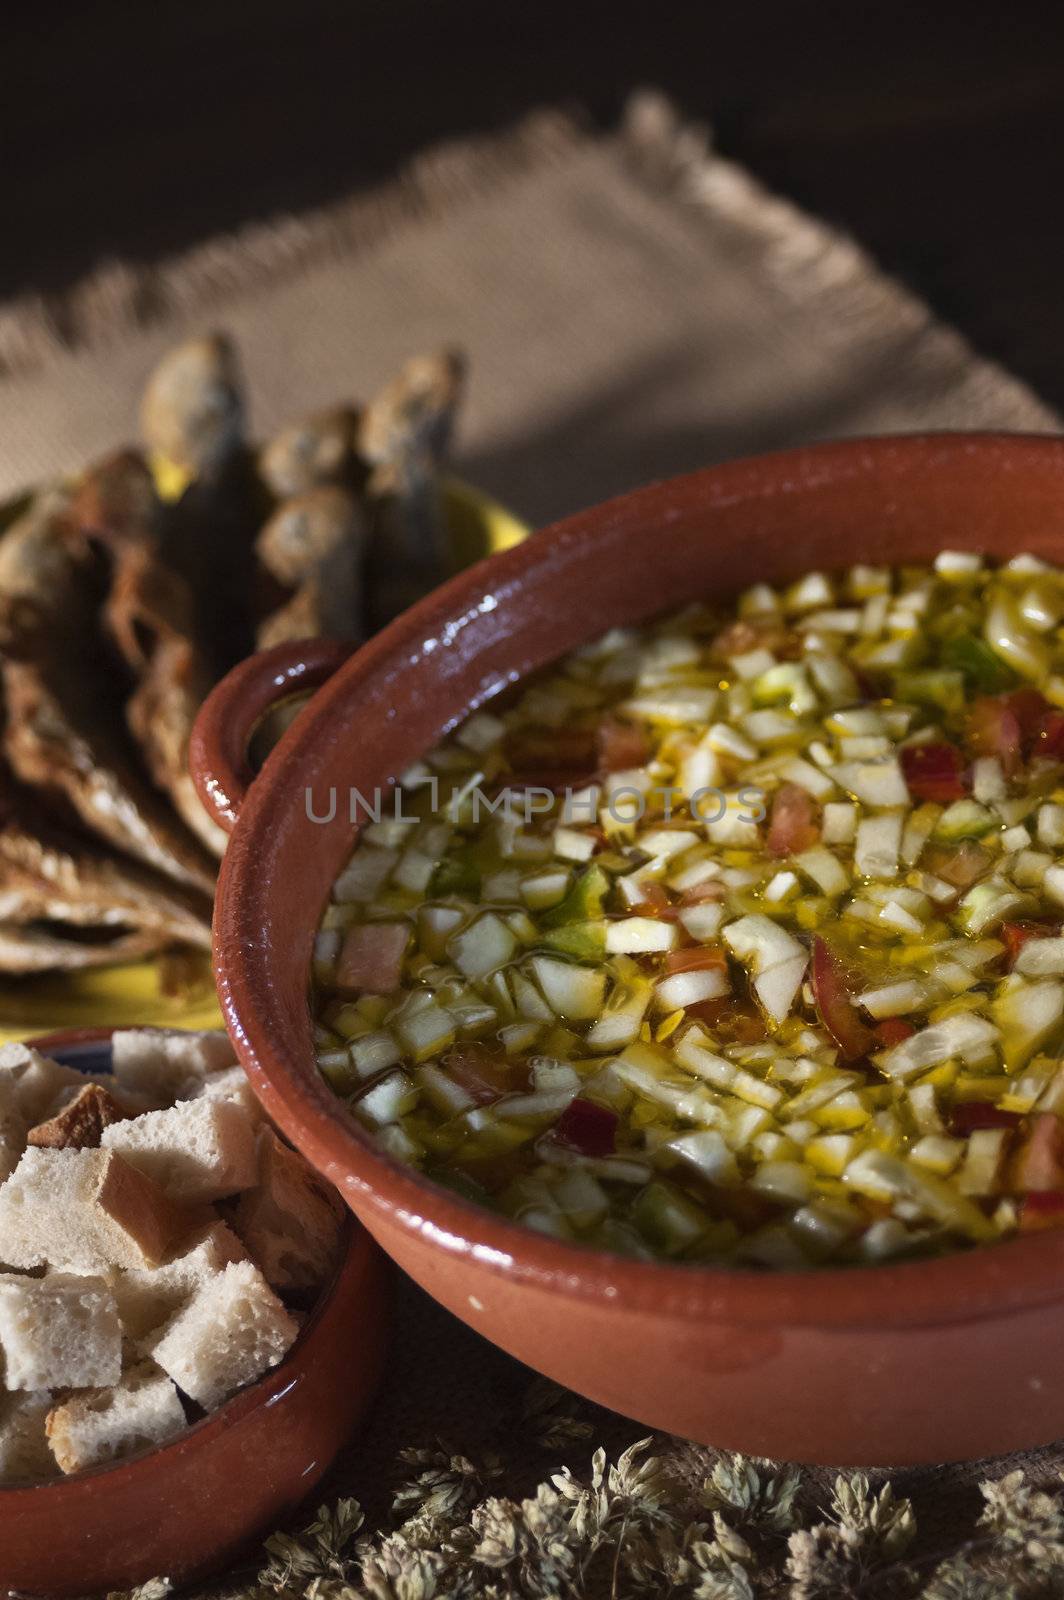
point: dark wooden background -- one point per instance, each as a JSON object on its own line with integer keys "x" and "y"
{"x": 934, "y": 132}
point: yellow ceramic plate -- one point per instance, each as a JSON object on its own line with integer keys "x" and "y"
{"x": 132, "y": 996}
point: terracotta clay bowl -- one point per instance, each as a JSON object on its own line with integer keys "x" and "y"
{"x": 916, "y": 1362}
{"x": 199, "y": 1503}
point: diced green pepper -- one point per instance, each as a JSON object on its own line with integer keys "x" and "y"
{"x": 584, "y": 940}
{"x": 457, "y": 874}
{"x": 982, "y": 669}
{"x": 668, "y": 1218}
{"x": 932, "y": 687}
{"x": 964, "y": 819}
{"x": 582, "y": 903}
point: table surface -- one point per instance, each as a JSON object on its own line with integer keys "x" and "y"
{"x": 933, "y": 133}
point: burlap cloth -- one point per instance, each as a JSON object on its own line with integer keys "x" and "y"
{"x": 633, "y": 306}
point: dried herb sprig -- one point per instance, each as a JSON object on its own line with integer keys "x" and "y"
{"x": 631, "y": 1530}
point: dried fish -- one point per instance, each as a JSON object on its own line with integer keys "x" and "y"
{"x": 28, "y": 949}
{"x": 314, "y": 545}
{"x": 63, "y": 699}
{"x": 53, "y": 873}
{"x": 150, "y": 615}
{"x": 316, "y": 450}
{"x": 192, "y": 412}
{"x": 402, "y": 437}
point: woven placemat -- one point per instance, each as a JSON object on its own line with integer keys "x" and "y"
{"x": 634, "y": 305}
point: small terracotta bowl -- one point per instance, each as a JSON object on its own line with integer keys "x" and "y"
{"x": 911, "y": 1362}
{"x": 196, "y": 1505}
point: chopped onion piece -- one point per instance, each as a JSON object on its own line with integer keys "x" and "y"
{"x": 877, "y": 845}
{"x": 639, "y": 936}
{"x": 877, "y": 783}
{"x": 386, "y": 1100}
{"x": 707, "y": 1151}
{"x": 486, "y": 944}
{"x": 825, "y": 870}
{"x": 895, "y": 999}
{"x": 839, "y": 822}
{"x": 1039, "y": 958}
{"x": 576, "y": 993}
{"x": 970, "y": 1037}
{"x": 685, "y": 989}
{"x": 572, "y": 845}
{"x": 702, "y": 921}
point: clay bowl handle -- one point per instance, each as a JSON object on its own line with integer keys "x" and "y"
{"x": 218, "y": 748}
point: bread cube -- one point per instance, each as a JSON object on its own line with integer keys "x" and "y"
{"x": 232, "y": 1331}
{"x": 198, "y": 1150}
{"x": 60, "y": 1331}
{"x": 231, "y": 1084}
{"x": 25, "y": 1456}
{"x": 147, "y": 1296}
{"x": 165, "y": 1066}
{"x": 80, "y": 1123}
{"x": 37, "y": 1081}
{"x": 291, "y": 1220}
{"x": 12, "y": 1129}
{"x": 141, "y": 1411}
{"x": 86, "y": 1210}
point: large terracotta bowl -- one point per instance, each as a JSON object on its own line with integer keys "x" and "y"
{"x": 925, "y": 1361}
{"x": 205, "y": 1499}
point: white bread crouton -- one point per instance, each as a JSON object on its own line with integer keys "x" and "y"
{"x": 60, "y": 1331}
{"x": 24, "y": 1452}
{"x": 232, "y": 1331}
{"x": 164, "y": 1066}
{"x": 12, "y": 1129}
{"x": 37, "y": 1081}
{"x": 198, "y": 1150}
{"x": 142, "y": 1410}
{"x": 86, "y": 1210}
{"x": 291, "y": 1220}
{"x": 79, "y": 1124}
{"x": 231, "y": 1084}
{"x": 147, "y": 1296}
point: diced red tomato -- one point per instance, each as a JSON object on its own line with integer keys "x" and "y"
{"x": 730, "y": 1020}
{"x": 761, "y": 633}
{"x": 794, "y": 823}
{"x": 833, "y": 993}
{"x": 485, "y": 1074}
{"x": 969, "y": 1115}
{"x": 1050, "y": 741}
{"x": 892, "y": 1031}
{"x": 1042, "y": 1209}
{"x": 620, "y": 745}
{"x": 934, "y": 772}
{"x": 371, "y": 958}
{"x": 1039, "y": 1162}
{"x": 994, "y": 730}
{"x": 587, "y": 1128}
{"x": 656, "y": 903}
{"x": 702, "y": 958}
{"x": 700, "y": 893}
{"x": 1017, "y": 934}
{"x": 961, "y": 865}
{"x": 1005, "y": 725}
